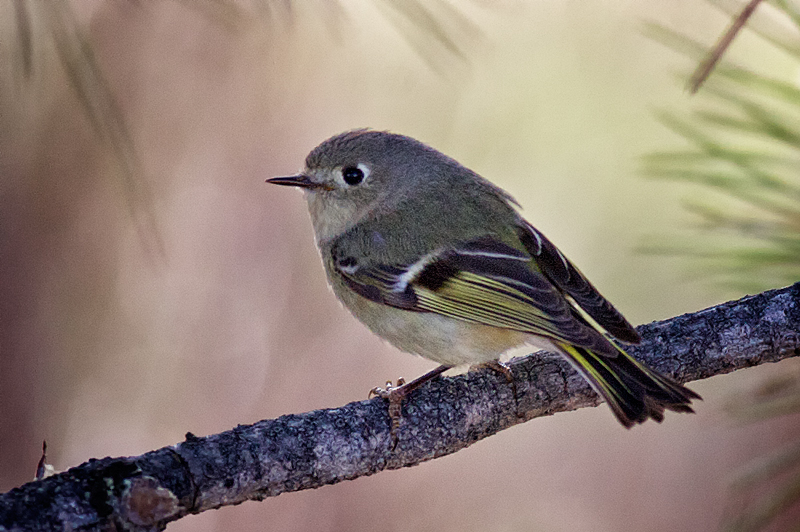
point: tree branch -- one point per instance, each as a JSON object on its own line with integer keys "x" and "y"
{"x": 310, "y": 450}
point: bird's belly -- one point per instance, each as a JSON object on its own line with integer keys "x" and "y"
{"x": 444, "y": 340}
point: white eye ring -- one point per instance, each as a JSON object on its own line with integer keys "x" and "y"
{"x": 354, "y": 175}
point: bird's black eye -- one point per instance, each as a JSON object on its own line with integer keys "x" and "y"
{"x": 352, "y": 175}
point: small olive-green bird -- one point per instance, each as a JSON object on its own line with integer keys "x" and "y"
{"x": 435, "y": 259}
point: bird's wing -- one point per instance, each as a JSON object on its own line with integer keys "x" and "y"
{"x": 568, "y": 279}
{"x": 483, "y": 281}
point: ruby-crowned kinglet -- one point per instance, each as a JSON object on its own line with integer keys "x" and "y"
{"x": 436, "y": 260}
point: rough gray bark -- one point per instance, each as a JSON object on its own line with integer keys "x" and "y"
{"x": 313, "y": 449}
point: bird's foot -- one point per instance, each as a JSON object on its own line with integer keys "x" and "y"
{"x": 385, "y": 393}
{"x": 503, "y": 369}
{"x": 395, "y": 394}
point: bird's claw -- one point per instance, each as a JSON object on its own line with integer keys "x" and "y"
{"x": 394, "y": 393}
{"x": 397, "y": 392}
{"x": 503, "y": 369}
{"x": 386, "y": 393}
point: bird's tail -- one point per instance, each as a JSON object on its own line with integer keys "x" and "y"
{"x": 634, "y": 392}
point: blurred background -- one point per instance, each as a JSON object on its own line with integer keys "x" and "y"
{"x": 152, "y": 284}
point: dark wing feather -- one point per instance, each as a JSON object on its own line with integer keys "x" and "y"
{"x": 483, "y": 281}
{"x": 563, "y": 274}
{"x": 379, "y": 284}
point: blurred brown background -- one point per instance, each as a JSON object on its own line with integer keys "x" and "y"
{"x": 196, "y": 301}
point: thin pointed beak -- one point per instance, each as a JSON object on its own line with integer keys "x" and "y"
{"x": 300, "y": 180}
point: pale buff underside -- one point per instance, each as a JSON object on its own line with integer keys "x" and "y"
{"x": 444, "y": 340}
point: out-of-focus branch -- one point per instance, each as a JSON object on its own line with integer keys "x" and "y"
{"x": 715, "y": 54}
{"x": 313, "y": 449}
